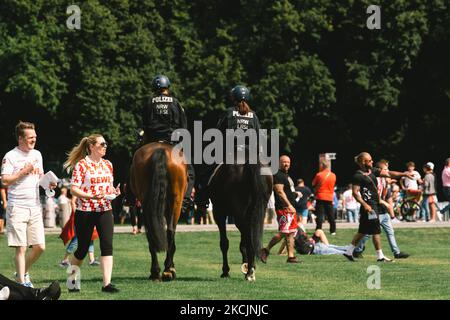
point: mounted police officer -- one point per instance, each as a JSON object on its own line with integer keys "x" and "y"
{"x": 239, "y": 116}
{"x": 162, "y": 115}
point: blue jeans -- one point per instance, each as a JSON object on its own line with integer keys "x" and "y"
{"x": 352, "y": 215}
{"x": 386, "y": 224}
{"x": 321, "y": 248}
{"x": 425, "y": 208}
{"x": 73, "y": 244}
{"x": 304, "y": 214}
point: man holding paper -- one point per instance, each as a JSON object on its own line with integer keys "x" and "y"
{"x": 21, "y": 171}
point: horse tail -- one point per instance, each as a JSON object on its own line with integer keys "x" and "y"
{"x": 257, "y": 205}
{"x": 155, "y": 202}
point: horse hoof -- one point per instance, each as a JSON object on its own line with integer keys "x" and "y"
{"x": 244, "y": 268}
{"x": 251, "y": 278}
{"x": 167, "y": 276}
{"x": 225, "y": 275}
{"x": 155, "y": 277}
{"x": 173, "y": 272}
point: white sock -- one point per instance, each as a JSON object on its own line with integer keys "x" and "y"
{"x": 350, "y": 249}
{"x": 4, "y": 293}
{"x": 380, "y": 254}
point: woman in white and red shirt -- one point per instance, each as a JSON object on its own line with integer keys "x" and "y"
{"x": 92, "y": 184}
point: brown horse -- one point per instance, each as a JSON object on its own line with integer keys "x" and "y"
{"x": 158, "y": 179}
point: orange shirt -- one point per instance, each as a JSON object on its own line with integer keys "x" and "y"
{"x": 326, "y": 188}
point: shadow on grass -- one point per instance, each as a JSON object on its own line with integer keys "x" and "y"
{"x": 137, "y": 278}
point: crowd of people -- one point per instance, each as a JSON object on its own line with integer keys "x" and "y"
{"x": 85, "y": 209}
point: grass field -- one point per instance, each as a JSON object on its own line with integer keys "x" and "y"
{"x": 425, "y": 275}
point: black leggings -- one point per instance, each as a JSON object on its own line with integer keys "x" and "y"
{"x": 84, "y": 226}
{"x": 325, "y": 208}
{"x": 136, "y": 216}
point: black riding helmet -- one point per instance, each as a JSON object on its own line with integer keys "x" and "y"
{"x": 160, "y": 82}
{"x": 239, "y": 93}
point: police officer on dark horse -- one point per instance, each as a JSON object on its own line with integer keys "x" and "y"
{"x": 159, "y": 176}
{"x": 239, "y": 190}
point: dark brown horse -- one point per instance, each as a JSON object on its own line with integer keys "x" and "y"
{"x": 242, "y": 192}
{"x": 158, "y": 179}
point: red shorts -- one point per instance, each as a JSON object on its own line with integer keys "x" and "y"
{"x": 287, "y": 221}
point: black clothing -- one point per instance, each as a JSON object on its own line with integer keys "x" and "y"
{"x": 161, "y": 116}
{"x": 136, "y": 216}
{"x": 325, "y": 208}
{"x": 302, "y": 244}
{"x": 84, "y": 226}
{"x": 288, "y": 186}
{"x": 20, "y": 292}
{"x": 231, "y": 120}
{"x": 234, "y": 120}
{"x": 368, "y": 184}
{"x": 369, "y": 192}
{"x": 302, "y": 202}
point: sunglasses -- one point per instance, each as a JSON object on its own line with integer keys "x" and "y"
{"x": 104, "y": 144}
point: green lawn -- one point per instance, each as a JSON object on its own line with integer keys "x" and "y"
{"x": 425, "y": 275}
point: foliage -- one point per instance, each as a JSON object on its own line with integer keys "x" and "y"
{"x": 305, "y": 61}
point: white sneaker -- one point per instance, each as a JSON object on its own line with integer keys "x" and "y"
{"x": 4, "y": 293}
{"x": 385, "y": 259}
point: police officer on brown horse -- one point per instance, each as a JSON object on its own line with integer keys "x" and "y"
{"x": 162, "y": 115}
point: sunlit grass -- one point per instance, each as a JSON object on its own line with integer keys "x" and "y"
{"x": 198, "y": 261}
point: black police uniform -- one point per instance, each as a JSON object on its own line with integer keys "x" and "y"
{"x": 231, "y": 120}
{"x": 162, "y": 115}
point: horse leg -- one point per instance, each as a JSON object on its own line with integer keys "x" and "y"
{"x": 250, "y": 250}
{"x": 224, "y": 243}
{"x": 169, "y": 273}
{"x": 244, "y": 266}
{"x": 155, "y": 270}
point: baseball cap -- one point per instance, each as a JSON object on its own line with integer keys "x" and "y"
{"x": 430, "y": 165}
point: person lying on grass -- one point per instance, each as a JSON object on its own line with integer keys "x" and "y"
{"x": 317, "y": 244}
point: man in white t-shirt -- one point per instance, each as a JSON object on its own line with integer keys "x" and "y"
{"x": 21, "y": 171}
{"x": 411, "y": 185}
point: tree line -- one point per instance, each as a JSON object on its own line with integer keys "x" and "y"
{"x": 315, "y": 71}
